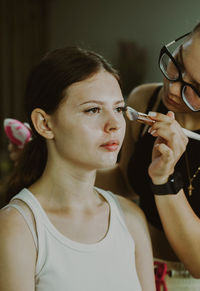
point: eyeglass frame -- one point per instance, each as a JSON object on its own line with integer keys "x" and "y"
{"x": 163, "y": 51}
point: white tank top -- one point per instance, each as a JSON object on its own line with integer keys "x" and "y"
{"x": 66, "y": 265}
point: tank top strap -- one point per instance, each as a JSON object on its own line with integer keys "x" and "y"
{"x": 114, "y": 204}
{"x": 29, "y": 199}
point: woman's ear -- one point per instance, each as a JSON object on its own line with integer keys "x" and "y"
{"x": 41, "y": 123}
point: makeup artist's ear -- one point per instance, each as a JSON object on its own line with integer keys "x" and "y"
{"x": 41, "y": 123}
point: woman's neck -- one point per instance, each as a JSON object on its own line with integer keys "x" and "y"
{"x": 59, "y": 186}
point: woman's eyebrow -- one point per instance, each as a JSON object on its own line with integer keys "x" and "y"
{"x": 92, "y": 101}
{"x": 120, "y": 101}
{"x": 101, "y": 102}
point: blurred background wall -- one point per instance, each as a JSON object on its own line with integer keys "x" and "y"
{"x": 129, "y": 33}
{"x": 101, "y": 24}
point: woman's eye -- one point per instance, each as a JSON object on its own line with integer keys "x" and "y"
{"x": 121, "y": 109}
{"x": 93, "y": 110}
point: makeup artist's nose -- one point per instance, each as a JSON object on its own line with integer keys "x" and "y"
{"x": 112, "y": 122}
{"x": 175, "y": 88}
{"x": 186, "y": 77}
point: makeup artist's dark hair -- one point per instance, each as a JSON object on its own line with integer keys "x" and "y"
{"x": 45, "y": 88}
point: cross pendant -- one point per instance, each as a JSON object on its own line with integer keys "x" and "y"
{"x": 190, "y": 188}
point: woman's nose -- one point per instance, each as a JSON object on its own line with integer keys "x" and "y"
{"x": 112, "y": 122}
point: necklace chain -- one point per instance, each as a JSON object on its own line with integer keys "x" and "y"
{"x": 191, "y": 179}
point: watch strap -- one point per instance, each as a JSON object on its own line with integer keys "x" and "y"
{"x": 173, "y": 185}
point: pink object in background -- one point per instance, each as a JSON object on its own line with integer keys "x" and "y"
{"x": 17, "y": 132}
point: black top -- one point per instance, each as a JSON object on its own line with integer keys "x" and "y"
{"x": 138, "y": 170}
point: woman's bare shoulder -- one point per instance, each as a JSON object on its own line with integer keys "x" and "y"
{"x": 134, "y": 217}
{"x": 17, "y": 251}
{"x": 11, "y": 221}
{"x": 14, "y": 232}
{"x": 130, "y": 208}
{"x": 13, "y": 226}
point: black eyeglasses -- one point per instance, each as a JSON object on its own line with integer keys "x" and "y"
{"x": 172, "y": 71}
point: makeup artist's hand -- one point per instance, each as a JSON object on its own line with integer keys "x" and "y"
{"x": 168, "y": 148}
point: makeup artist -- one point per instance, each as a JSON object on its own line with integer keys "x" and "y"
{"x": 179, "y": 62}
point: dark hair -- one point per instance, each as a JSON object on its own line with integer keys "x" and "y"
{"x": 45, "y": 89}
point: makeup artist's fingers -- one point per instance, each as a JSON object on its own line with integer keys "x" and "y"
{"x": 169, "y": 145}
{"x": 162, "y": 164}
{"x": 171, "y": 114}
{"x": 169, "y": 129}
{"x": 162, "y": 151}
{"x": 163, "y": 121}
{"x": 157, "y": 116}
{"x": 175, "y": 141}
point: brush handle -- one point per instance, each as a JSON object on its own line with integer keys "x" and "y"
{"x": 191, "y": 134}
{"x": 145, "y": 119}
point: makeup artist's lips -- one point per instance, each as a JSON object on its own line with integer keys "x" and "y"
{"x": 111, "y": 146}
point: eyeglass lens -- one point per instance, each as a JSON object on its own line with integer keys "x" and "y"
{"x": 168, "y": 68}
{"x": 171, "y": 72}
{"x": 191, "y": 98}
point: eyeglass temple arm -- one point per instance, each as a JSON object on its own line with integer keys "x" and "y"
{"x": 173, "y": 41}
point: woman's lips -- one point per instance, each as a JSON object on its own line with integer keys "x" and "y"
{"x": 111, "y": 146}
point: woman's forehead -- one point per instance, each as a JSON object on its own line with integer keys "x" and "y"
{"x": 102, "y": 83}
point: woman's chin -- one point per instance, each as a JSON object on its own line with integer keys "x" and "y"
{"x": 108, "y": 163}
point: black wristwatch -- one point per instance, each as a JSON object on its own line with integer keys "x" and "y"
{"x": 173, "y": 185}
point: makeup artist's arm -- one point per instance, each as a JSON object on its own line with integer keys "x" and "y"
{"x": 180, "y": 223}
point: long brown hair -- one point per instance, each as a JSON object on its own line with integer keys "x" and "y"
{"x": 45, "y": 89}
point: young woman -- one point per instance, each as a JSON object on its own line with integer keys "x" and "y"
{"x": 59, "y": 232}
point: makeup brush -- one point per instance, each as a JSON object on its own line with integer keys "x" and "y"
{"x": 134, "y": 115}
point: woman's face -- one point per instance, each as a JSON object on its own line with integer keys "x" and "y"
{"x": 188, "y": 58}
{"x": 89, "y": 125}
